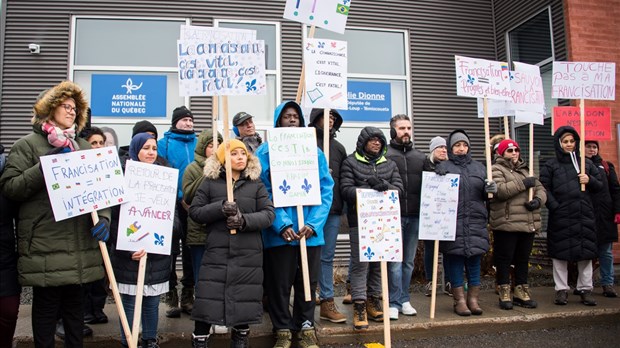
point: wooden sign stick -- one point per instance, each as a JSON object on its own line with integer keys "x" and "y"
{"x": 487, "y": 143}
{"x": 434, "y": 279}
{"x": 302, "y": 77}
{"x": 304, "y": 255}
{"x": 531, "y": 161}
{"x": 582, "y": 138}
{"x": 215, "y": 114}
{"x": 227, "y": 165}
{"x": 506, "y": 128}
{"x": 326, "y": 134}
{"x": 137, "y": 312}
{"x": 387, "y": 337}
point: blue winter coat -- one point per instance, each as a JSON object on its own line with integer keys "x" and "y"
{"x": 178, "y": 149}
{"x": 315, "y": 215}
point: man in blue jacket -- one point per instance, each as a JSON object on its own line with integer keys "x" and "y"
{"x": 281, "y": 242}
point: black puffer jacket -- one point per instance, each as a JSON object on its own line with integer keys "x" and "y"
{"x": 358, "y": 167}
{"x": 606, "y": 203}
{"x": 9, "y": 285}
{"x": 472, "y": 236}
{"x": 571, "y": 230}
{"x": 410, "y": 164}
{"x": 230, "y": 280}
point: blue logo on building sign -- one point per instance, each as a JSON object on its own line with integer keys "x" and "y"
{"x": 128, "y": 95}
{"x": 368, "y": 101}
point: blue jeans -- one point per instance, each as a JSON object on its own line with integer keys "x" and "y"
{"x": 455, "y": 264}
{"x": 197, "y": 252}
{"x": 606, "y": 262}
{"x": 399, "y": 274}
{"x": 328, "y": 251}
{"x": 149, "y": 318}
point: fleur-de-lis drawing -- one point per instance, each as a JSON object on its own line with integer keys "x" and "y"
{"x": 393, "y": 197}
{"x": 334, "y": 44}
{"x": 306, "y": 186}
{"x": 284, "y": 187}
{"x": 159, "y": 239}
{"x": 511, "y": 76}
{"x": 321, "y": 44}
{"x": 470, "y": 79}
{"x": 346, "y": 1}
{"x": 369, "y": 254}
{"x": 130, "y": 86}
{"x": 250, "y": 85}
{"x": 454, "y": 182}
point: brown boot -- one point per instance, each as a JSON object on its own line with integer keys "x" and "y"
{"x": 460, "y": 306}
{"x": 360, "y": 318}
{"x": 374, "y": 308}
{"x": 473, "y": 292}
{"x": 330, "y": 312}
{"x": 347, "y": 298}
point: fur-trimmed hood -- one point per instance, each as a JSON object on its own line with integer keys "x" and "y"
{"x": 213, "y": 168}
{"x": 45, "y": 107}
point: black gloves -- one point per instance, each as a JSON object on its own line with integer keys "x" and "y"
{"x": 440, "y": 171}
{"x": 533, "y": 204}
{"x": 530, "y": 181}
{"x": 490, "y": 186}
{"x": 229, "y": 208}
{"x": 57, "y": 150}
{"x": 101, "y": 231}
{"x": 235, "y": 222}
{"x": 377, "y": 184}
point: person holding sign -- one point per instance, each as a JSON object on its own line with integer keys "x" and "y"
{"x": 143, "y": 148}
{"x": 283, "y": 265}
{"x": 514, "y": 219}
{"x": 571, "y": 230}
{"x": 607, "y": 210}
{"x": 230, "y": 280}
{"x": 472, "y": 237}
{"x": 55, "y": 258}
{"x": 367, "y": 167}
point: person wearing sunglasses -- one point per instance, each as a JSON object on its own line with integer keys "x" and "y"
{"x": 514, "y": 219}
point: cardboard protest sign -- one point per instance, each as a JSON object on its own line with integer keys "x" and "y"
{"x": 80, "y": 182}
{"x": 481, "y": 78}
{"x": 439, "y": 205}
{"x": 221, "y": 67}
{"x": 496, "y": 108}
{"x": 326, "y": 74}
{"x": 380, "y": 234}
{"x": 213, "y": 34}
{"x": 327, "y": 14}
{"x": 146, "y": 221}
{"x": 598, "y": 121}
{"x": 527, "y": 88}
{"x": 294, "y": 166}
{"x": 584, "y": 80}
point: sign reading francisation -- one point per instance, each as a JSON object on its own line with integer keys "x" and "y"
{"x": 380, "y": 232}
{"x": 128, "y": 95}
{"x": 368, "y": 102}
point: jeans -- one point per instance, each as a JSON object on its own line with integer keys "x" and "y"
{"x": 149, "y": 318}
{"x": 399, "y": 273}
{"x": 328, "y": 251}
{"x": 365, "y": 276}
{"x": 455, "y": 264}
{"x": 606, "y": 261}
{"x": 197, "y": 251}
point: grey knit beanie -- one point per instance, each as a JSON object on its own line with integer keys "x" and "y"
{"x": 458, "y": 136}
{"x": 436, "y": 142}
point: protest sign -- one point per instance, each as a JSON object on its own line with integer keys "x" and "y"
{"x": 598, "y": 121}
{"x": 214, "y": 34}
{"x": 438, "y": 207}
{"x": 584, "y": 80}
{"x": 294, "y": 166}
{"x": 481, "y": 78}
{"x": 529, "y": 117}
{"x": 380, "y": 236}
{"x": 221, "y": 67}
{"x": 146, "y": 221}
{"x": 527, "y": 88}
{"x": 80, "y": 182}
{"x": 327, "y": 14}
{"x": 496, "y": 108}
{"x": 326, "y": 77}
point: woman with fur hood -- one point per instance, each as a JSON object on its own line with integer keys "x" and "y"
{"x": 55, "y": 258}
{"x": 230, "y": 282}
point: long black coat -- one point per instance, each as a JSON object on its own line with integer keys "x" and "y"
{"x": 230, "y": 280}
{"x": 571, "y": 230}
{"x": 606, "y": 203}
{"x": 9, "y": 285}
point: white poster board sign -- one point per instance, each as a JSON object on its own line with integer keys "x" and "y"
{"x": 80, "y": 182}
{"x": 327, "y": 14}
{"x": 213, "y": 34}
{"x": 480, "y": 78}
{"x": 496, "y": 108}
{"x": 439, "y": 203}
{"x": 527, "y": 88}
{"x": 380, "y": 234}
{"x": 326, "y": 74}
{"x": 208, "y": 68}
{"x": 146, "y": 221}
{"x": 294, "y": 166}
{"x": 584, "y": 80}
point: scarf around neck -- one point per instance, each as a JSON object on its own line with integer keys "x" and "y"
{"x": 60, "y": 137}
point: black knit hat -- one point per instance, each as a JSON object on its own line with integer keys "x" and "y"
{"x": 143, "y": 127}
{"x": 179, "y": 113}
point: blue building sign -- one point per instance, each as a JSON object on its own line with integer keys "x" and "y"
{"x": 368, "y": 101}
{"x": 128, "y": 95}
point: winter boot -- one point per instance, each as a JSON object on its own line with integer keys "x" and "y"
{"x": 472, "y": 300}
{"x": 347, "y": 298}
{"x": 374, "y": 308}
{"x": 240, "y": 338}
{"x": 360, "y": 318}
{"x": 586, "y": 298}
{"x": 172, "y": 300}
{"x": 505, "y": 302}
{"x": 200, "y": 341}
{"x": 609, "y": 291}
{"x": 187, "y": 299}
{"x": 460, "y": 306}
{"x": 306, "y": 338}
{"x": 522, "y": 297}
{"x": 283, "y": 339}
{"x": 150, "y": 343}
{"x": 330, "y": 312}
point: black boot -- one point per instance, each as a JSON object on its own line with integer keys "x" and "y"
{"x": 240, "y": 338}
{"x": 150, "y": 344}
{"x": 200, "y": 341}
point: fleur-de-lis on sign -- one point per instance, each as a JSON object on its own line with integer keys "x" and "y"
{"x": 393, "y": 197}
{"x": 321, "y": 44}
{"x": 470, "y": 79}
{"x": 159, "y": 239}
{"x": 369, "y": 254}
{"x": 334, "y": 44}
{"x": 454, "y": 182}
{"x": 306, "y": 186}
{"x": 284, "y": 187}
{"x": 250, "y": 85}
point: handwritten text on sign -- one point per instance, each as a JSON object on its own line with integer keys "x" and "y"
{"x": 327, "y": 14}
{"x": 598, "y": 121}
{"x": 83, "y": 181}
{"x": 294, "y": 165}
{"x": 146, "y": 221}
{"x": 326, "y": 74}
{"x": 439, "y": 205}
{"x": 221, "y": 68}
{"x": 380, "y": 233}
{"x": 481, "y": 78}
{"x": 213, "y": 34}
{"x": 584, "y": 80}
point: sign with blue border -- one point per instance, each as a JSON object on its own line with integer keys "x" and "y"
{"x": 128, "y": 95}
{"x": 368, "y": 101}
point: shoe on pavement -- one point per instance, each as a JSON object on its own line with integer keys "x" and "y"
{"x": 307, "y": 338}
{"x": 347, "y": 298}
{"x": 505, "y": 301}
{"x": 360, "y": 317}
{"x": 374, "y": 307}
{"x": 586, "y": 298}
{"x": 407, "y": 309}
{"x": 448, "y": 289}
{"x": 523, "y": 298}
{"x": 284, "y": 339}
{"x": 330, "y": 312}
{"x": 200, "y": 341}
{"x": 393, "y": 313}
{"x": 240, "y": 338}
{"x": 609, "y": 291}
{"x": 428, "y": 289}
{"x": 561, "y": 297}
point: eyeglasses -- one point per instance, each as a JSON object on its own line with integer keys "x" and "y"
{"x": 68, "y": 108}
{"x": 512, "y": 150}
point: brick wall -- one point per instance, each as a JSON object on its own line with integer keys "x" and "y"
{"x": 592, "y": 35}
